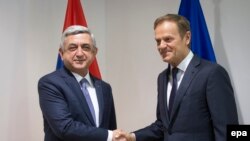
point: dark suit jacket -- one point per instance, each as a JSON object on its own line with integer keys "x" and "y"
{"x": 65, "y": 111}
{"x": 204, "y": 105}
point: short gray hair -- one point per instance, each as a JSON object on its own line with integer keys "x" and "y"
{"x": 76, "y": 29}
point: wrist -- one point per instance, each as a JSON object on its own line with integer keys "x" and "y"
{"x": 132, "y": 137}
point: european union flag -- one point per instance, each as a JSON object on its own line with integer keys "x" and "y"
{"x": 200, "y": 41}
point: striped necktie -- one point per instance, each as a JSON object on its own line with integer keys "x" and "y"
{"x": 174, "y": 89}
{"x": 84, "y": 82}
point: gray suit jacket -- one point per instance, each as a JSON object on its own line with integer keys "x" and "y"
{"x": 65, "y": 111}
{"x": 204, "y": 105}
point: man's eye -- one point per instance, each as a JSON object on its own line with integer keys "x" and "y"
{"x": 72, "y": 48}
{"x": 158, "y": 42}
{"x": 167, "y": 39}
{"x": 86, "y": 47}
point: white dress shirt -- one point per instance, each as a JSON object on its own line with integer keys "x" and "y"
{"x": 93, "y": 97}
{"x": 92, "y": 94}
{"x": 182, "y": 68}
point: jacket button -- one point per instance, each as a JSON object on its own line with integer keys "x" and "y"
{"x": 169, "y": 132}
{"x": 165, "y": 129}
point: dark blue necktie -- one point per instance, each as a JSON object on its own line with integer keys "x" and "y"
{"x": 173, "y": 91}
{"x": 84, "y": 83}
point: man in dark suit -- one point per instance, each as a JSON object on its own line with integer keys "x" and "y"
{"x": 75, "y": 105}
{"x": 195, "y": 97}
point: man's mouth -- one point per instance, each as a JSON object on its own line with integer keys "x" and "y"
{"x": 79, "y": 61}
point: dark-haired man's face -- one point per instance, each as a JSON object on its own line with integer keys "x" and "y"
{"x": 171, "y": 46}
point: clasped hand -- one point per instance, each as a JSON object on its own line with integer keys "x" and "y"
{"x": 119, "y": 135}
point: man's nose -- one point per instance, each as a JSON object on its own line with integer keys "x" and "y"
{"x": 162, "y": 43}
{"x": 79, "y": 51}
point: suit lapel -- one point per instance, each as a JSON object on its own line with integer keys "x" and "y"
{"x": 163, "y": 96}
{"x": 99, "y": 94}
{"x": 186, "y": 81}
{"x": 76, "y": 90}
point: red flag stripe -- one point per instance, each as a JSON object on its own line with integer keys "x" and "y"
{"x": 74, "y": 14}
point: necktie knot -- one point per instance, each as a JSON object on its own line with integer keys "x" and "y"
{"x": 174, "y": 72}
{"x": 84, "y": 82}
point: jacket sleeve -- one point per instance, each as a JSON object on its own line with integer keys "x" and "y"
{"x": 112, "y": 119}
{"x": 221, "y": 102}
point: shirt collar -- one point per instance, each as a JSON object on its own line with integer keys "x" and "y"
{"x": 185, "y": 62}
{"x": 79, "y": 78}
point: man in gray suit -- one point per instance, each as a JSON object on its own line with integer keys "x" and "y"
{"x": 195, "y": 97}
{"x": 77, "y": 106}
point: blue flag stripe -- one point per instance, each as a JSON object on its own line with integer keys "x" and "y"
{"x": 200, "y": 41}
{"x": 59, "y": 62}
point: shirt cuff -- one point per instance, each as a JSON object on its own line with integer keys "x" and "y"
{"x": 110, "y": 135}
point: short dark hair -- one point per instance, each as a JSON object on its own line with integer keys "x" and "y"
{"x": 182, "y": 23}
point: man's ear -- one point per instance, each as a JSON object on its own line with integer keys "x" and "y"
{"x": 188, "y": 38}
{"x": 61, "y": 53}
{"x": 95, "y": 50}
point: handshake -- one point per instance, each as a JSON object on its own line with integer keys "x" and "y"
{"x": 119, "y": 135}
